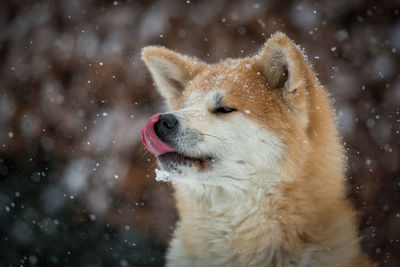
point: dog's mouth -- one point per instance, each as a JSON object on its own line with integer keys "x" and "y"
{"x": 174, "y": 159}
{"x": 169, "y": 157}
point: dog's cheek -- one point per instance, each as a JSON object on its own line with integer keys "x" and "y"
{"x": 252, "y": 143}
{"x": 188, "y": 138}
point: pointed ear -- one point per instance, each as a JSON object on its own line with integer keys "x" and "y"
{"x": 171, "y": 71}
{"x": 288, "y": 72}
{"x": 283, "y": 65}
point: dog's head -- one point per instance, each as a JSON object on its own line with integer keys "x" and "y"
{"x": 231, "y": 120}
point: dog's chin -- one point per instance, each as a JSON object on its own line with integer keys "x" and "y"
{"x": 175, "y": 161}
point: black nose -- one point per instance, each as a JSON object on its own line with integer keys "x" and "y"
{"x": 166, "y": 126}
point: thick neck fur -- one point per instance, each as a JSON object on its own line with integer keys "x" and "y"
{"x": 254, "y": 227}
{"x": 226, "y": 221}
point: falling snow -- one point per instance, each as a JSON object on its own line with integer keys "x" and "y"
{"x": 74, "y": 95}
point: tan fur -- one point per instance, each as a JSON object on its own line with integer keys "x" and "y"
{"x": 308, "y": 222}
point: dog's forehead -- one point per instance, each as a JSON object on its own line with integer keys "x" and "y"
{"x": 225, "y": 73}
{"x": 229, "y": 77}
{"x": 210, "y": 98}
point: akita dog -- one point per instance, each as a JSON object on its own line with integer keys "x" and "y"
{"x": 252, "y": 149}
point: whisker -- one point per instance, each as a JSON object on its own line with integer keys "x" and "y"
{"x": 232, "y": 177}
{"x": 220, "y": 139}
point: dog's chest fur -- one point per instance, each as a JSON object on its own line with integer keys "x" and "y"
{"x": 221, "y": 228}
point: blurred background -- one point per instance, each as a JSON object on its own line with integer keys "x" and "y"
{"x": 77, "y": 187}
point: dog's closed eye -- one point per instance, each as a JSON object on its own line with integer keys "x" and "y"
{"x": 224, "y": 110}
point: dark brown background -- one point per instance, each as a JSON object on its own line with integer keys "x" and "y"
{"x": 77, "y": 187}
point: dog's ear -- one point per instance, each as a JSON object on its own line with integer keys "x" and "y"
{"x": 283, "y": 65}
{"x": 171, "y": 71}
{"x": 288, "y": 72}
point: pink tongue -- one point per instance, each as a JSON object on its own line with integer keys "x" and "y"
{"x": 150, "y": 139}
